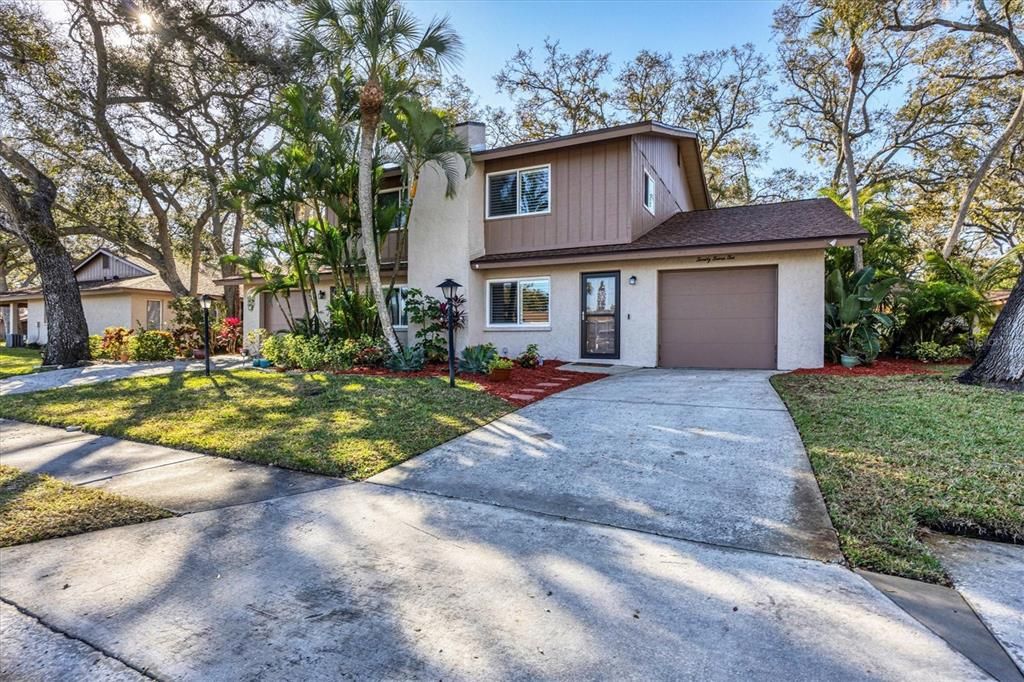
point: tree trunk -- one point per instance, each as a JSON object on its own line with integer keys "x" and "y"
{"x": 1001, "y": 360}
{"x": 979, "y": 175}
{"x": 367, "y": 234}
{"x": 31, "y": 218}
{"x": 851, "y": 170}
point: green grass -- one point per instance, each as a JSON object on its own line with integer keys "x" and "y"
{"x": 34, "y": 507}
{"x": 14, "y": 361}
{"x": 352, "y": 426}
{"x": 894, "y": 454}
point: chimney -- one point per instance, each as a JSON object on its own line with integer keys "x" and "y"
{"x": 474, "y": 134}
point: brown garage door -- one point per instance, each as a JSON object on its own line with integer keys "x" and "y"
{"x": 717, "y": 318}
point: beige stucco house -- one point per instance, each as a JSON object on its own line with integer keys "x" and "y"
{"x": 116, "y": 292}
{"x": 604, "y": 247}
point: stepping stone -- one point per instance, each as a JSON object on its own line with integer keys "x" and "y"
{"x": 534, "y": 390}
{"x": 548, "y": 384}
{"x": 520, "y": 396}
{"x": 559, "y": 379}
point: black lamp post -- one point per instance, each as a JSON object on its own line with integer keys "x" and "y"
{"x": 450, "y": 289}
{"x": 205, "y": 301}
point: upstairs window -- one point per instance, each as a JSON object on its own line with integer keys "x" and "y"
{"x": 393, "y": 199}
{"x": 526, "y": 191}
{"x": 649, "y": 192}
{"x": 519, "y": 302}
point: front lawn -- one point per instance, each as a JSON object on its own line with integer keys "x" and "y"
{"x": 14, "y": 361}
{"x": 34, "y": 507}
{"x": 352, "y": 426}
{"x": 893, "y": 454}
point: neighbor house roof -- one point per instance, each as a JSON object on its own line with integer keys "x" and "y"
{"x": 765, "y": 226}
{"x": 146, "y": 283}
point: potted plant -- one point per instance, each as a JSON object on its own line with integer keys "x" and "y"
{"x": 500, "y": 369}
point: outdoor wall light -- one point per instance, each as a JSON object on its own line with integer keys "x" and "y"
{"x": 322, "y": 294}
{"x": 833, "y": 242}
{"x": 450, "y": 289}
{"x": 632, "y": 280}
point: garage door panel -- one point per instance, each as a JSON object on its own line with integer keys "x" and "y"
{"x": 718, "y": 318}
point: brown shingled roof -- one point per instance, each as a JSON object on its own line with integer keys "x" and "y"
{"x": 756, "y": 224}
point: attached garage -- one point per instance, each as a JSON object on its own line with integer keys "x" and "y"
{"x": 718, "y": 318}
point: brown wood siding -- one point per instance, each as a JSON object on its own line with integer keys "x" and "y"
{"x": 589, "y": 201}
{"x": 661, "y": 157}
{"x": 722, "y": 318}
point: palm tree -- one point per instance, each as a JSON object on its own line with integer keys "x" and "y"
{"x": 848, "y": 20}
{"x": 424, "y": 137}
{"x": 384, "y": 45}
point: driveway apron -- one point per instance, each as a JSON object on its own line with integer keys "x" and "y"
{"x": 710, "y": 456}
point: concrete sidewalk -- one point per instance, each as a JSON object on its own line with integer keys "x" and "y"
{"x": 94, "y": 374}
{"x": 367, "y": 582}
{"x": 178, "y": 480}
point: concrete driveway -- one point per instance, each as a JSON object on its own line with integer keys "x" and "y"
{"x": 711, "y": 456}
{"x": 371, "y": 581}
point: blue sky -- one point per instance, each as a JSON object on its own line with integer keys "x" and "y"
{"x": 492, "y": 30}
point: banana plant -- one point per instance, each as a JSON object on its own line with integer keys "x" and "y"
{"x": 853, "y": 321}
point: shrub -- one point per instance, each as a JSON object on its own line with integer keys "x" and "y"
{"x": 254, "y": 341}
{"x": 186, "y": 339}
{"x": 96, "y": 350}
{"x": 407, "y": 360}
{"x": 152, "y": 345}
{"x": 530, "y": 357}
{"x": 477, "y": 359}
{"x": 369, "y": 352}
{"x": 338, "y": 354}
{"x": 116, "y": 341}
{"x": 929, "y": 351}
{"x": 229, "y": 334}
{"x": 500, "y": 363}
{"x": 273, "y": 349}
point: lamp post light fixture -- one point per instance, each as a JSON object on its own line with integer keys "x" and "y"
{"x": 205, "y": 301}
{"x": 450, "y": 289}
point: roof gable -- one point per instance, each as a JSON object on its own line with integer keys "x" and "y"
{"x": 103, "y": 265}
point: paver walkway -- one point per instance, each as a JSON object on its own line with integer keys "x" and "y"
{"x": 94, "y": 374}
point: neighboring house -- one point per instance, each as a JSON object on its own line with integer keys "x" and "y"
{"x": 116, "y": 292}
{"x": 603, "y": 247}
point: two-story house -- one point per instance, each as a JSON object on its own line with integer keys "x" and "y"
{"x": 116, "y": 291}
{"x": 603, "y": 247}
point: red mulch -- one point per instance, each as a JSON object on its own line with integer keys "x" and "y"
{"x": 520, "y": 379}
{"x": 882, "y": 367}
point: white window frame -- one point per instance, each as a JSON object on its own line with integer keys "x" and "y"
{"x": 519, "y": 281}
{"x": 517, "y": 171}
{"x": 654, "y": 191}
{"x": 160, "y": 307}
{"x": 401, "y": 191}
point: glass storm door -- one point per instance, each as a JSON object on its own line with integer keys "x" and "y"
{"x": 599, "y": 315}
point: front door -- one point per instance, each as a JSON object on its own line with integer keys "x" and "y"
{"x": 599, "y": 313}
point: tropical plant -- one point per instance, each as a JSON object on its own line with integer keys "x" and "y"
{"x": 383, "y": 45}
{"x": 186, "y": 339}
{"x": 853, "y": 324}
{"x": 229, "y": 334}
{"x": 530, "y": 357}
{"x": 116, "y": 342}
{"x": 478, "y": 359}
{"x": 273, "y": 349}
{"x": 407, "y": 360}
{"x": 500, "y": 363}
{"x": 430, "y": 316}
